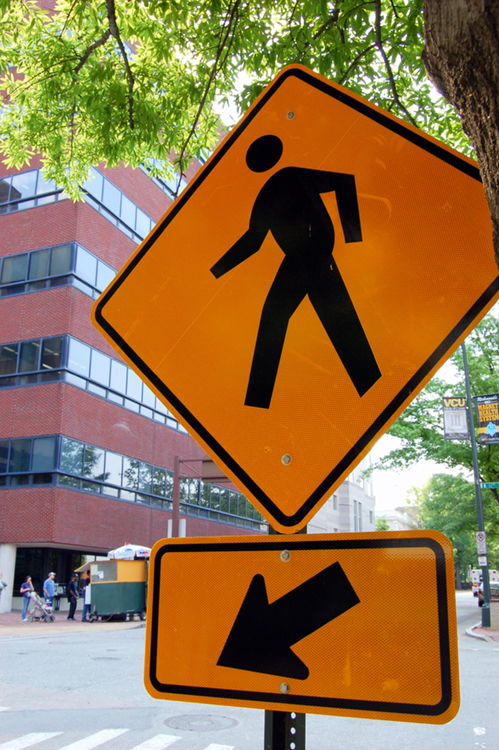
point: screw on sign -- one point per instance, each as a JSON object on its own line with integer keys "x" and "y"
{"x": 303, "y": 288}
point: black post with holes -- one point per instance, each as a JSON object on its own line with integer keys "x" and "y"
{"x": 284, "y": 730}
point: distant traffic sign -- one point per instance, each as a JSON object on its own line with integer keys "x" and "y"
{"x": 343, "y": 624}
{"x": 323, "y": 264}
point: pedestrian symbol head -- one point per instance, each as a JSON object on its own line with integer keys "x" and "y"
{"x": 264, "y": 153}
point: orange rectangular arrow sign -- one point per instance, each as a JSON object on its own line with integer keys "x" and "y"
{"x": 344, "y": 624}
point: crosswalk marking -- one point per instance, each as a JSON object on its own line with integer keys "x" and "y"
{"x": 28, "y": 740}
{"x": 157, "y": 743}
{"x": 93, "y": 740}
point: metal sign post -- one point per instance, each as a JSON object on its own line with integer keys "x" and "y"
{"x": 478, "y": 493}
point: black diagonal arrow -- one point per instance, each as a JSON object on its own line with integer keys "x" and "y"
{"x": 263, "y": 633}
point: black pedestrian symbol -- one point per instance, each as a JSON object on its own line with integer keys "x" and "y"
{"x": 290, "y": 207}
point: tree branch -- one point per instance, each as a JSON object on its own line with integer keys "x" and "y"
{"x": 113, "y": 28}
{"x": 91, "y": 48}
{"x": 355, "y": 61}
{"x": 379, "y": 45}
{"x": 230, "y": 28}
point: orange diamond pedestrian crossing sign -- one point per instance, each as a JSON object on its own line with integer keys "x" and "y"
{"x": 312, "y": 277}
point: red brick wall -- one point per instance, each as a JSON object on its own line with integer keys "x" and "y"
{"x": 89, "y": 523}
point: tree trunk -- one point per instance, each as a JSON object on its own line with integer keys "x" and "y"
{"x": 461, "y": 57}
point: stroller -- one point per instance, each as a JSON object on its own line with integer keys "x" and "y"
{"x": 42, "y": 611}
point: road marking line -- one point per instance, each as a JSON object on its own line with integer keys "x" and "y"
{"x": 28, "y": 740}
{"x": 219, "y": 747}
{"x": 4, "y": 708}
{"x": 159, "y": 742}
{"x": 87, "y": 743}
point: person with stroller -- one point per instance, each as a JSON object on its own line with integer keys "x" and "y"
{"x": 26, "y": 589}
{"x": 73, "y": 595}
{"x": 48, "y": 589}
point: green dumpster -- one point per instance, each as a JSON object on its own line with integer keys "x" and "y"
{"x": 117, "y": 588}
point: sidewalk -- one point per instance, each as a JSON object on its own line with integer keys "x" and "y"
{"x": 485, "y": 634}
{"x": 11, "y": 624}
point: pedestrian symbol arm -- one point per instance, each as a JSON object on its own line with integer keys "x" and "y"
{"x": 244, "y": 248}
{"x": 346, "y": 198}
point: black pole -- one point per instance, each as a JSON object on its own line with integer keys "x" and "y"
{"x": 284, "y": 730}
{"x": 478, "y": 492}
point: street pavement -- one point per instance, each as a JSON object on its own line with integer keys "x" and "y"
{"x": 77, "y": 686}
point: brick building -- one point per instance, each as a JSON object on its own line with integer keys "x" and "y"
{"x": 86, "y": 450}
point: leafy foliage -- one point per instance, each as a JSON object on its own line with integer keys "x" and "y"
{"x": 135, "y": 80}
{"x": 420, "y": 427}
{"x": 447, "y": 503}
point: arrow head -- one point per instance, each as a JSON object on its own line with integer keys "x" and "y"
{"x": 255, "y": 643}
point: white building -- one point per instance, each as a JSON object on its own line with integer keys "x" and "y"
{"x": 350, "y": 508}
{"x": 399, "y": 519}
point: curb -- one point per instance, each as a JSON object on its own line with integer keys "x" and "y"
{"x": 481, "y": 636}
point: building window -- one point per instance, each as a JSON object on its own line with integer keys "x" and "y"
{"x": 357, "y": 516}
{"x": 173, "y": 186}
{"x": 335, "y": 502}
{"x": 88, "y": 468}
{"x": 371, "y": 517}
{"x": 116, "y": 207}
{"x": 66, "y": 358}
{"x": 27, "y": 190}
{"x": 54, "y": 266}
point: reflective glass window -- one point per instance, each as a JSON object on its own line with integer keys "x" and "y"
{"x": 93, "y": 462}
{"x": 134, "y": 386}
{"x": 72, "y": 456}
{"x": 29, "y": 356}
{"x": 111, "y": 197}
{"x": 113, "y": 468}
{"x": 130, "y": 473}
{"x": 128, "y": 210}
{"x": 8, "y": 359}
{"x": 86, "y": 266}
{"x": 38, "y": 264}
{"x": 60, "y": 260}
{"x": 118, "y": 376}
{"x": 14, "y": 268}
{"x": 145, "y": 477}
{"x": 4, "y": 190}
{"x": 159, "y": 481}
{"x": 43, "y": 454}
{"x": 143, "y": 225}
{"x": 19, "y": 455}
{"x": 23, "y": 185}
{"x": 79, "y": 358}
{"x": 51, "y": 353}
{"x": 104, "y": 276}
{"x": 4, "y": 454}
{"x": 94, "y": 184}
{"x": 148, "y": 397}
{"x": 100, "y": 367}
{"x": 44, "y": 186}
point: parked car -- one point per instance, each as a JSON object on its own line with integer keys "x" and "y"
{"x": 494, "y": 592}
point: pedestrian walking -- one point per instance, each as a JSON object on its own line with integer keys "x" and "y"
{"x": 73, "y": 595}
{"x": 26, "y": 589}
{"x": 48, "y": 589}
{"x": 85, "y": 584}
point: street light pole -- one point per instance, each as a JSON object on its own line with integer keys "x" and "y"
{"x": 478, "y": 492}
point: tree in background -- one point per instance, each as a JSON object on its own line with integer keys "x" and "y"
{"x": 91, "y": 81}
{"x": 420, "y": 427}
{"x": 447, "y": 503}
{"x": 382, "y": 524}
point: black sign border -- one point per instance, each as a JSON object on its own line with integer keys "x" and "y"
{"x": 401, "y": 129}
{"x": 318, "y": 702}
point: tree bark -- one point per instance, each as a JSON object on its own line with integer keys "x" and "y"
{"x": 461, "y": 58}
